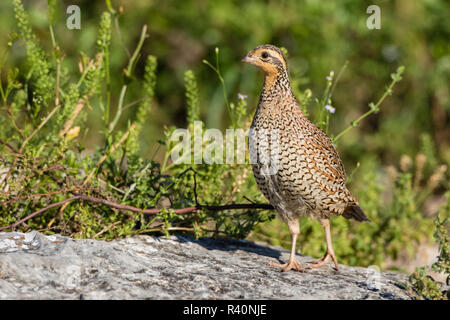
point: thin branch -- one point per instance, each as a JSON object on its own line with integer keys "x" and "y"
{"x": 111, "y": 204}
{"x": 58, "y": 77}
{"x": 116, "y": 24}
{"x": 39, "y": 128}
{"x": 374, "y": 108}
{"x": 14, "y": 123}
{"x": 106, "y": 229}
{"x": 103, "y": 158}
{"x": 114, "y": 147}
{"x": 235, "y": 206}
{"x": 84, "y": 100}
{"x": 133, "y": 103}
{"x": 9, "y": 146}
{"x": 128, "y": 73}
{"x": 53, "y": 205}
{"x": 249, "y": 200}
{"x": 166, "y": 229}
{"x": 195, "y": 186}
{"x": 24, "y": 143}
{"x": 75, "y": 113}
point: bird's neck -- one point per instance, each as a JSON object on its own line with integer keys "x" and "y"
{"x": 277, "y": 88}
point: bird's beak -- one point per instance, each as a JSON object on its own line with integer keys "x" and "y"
{"x": 248, "y": 58}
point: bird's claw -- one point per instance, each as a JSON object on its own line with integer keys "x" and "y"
{"x": 317, "y": 263}
{"x": 290, "y": 265}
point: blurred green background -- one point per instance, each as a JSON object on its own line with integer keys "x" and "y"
{"x": 320, "y": 36}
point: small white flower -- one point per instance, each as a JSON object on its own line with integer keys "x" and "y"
{"x": 242, "y": 96}
{"x": 330, "y": 76}
{"x": 330, "y": 108}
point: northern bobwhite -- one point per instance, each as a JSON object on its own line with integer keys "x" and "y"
{"x": 295, "y": 164}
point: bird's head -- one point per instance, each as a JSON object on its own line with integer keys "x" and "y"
{"x": 268, "y": 58}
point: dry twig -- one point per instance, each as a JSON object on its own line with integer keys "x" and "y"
{"x": 233, "y": 206}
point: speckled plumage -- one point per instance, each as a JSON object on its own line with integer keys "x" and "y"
{"x": 307, "y": 177}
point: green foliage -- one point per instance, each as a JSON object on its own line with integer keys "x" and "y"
{"x": 103, "y": 43}
{"x": 240, "y": 112}
{"x": 319, "y": 36}
{"x": 216, "y": 69}
{"x": 423, "y": 286}
{"x": 104, "y": 32}
{"x": 374, "y": 108}
{"x": 193, "y": 111}
{"x": 442, "y": 238}
{"x": 144, "y": 106}
{"x": 39, "y": 67}
{"x": 50, "y": 168}
{"x": 149, "y": 79}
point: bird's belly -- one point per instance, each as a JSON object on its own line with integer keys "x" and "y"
{"x": 284, "y": 191}
{"x": 287, "y": 181}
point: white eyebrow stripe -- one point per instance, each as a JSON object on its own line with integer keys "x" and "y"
{"x": 278, "y": 56}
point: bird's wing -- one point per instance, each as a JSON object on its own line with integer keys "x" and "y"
{"x": 325, "y": 151}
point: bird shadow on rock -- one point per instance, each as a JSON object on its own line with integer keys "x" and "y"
{"x": 225, "y": 244}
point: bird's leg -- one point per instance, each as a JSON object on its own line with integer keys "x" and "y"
{"x": 329, "y": 255}
{"x": 293, "y": 263}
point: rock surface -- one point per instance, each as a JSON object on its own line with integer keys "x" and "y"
{"x": 35, "y": 266}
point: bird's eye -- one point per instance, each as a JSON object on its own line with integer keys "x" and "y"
{"x": 264, "y": 55}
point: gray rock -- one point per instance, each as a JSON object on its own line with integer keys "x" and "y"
{"x": 35, "y": 266}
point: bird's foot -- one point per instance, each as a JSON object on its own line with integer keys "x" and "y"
{"x": 292, "y": 264}
{"x": 318, "y": 260}
{"x": 323, "y": 261}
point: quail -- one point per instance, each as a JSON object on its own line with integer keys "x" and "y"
{"x": 295, "y": 164}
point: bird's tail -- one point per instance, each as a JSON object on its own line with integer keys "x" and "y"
{"x": 353, "y": 211}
